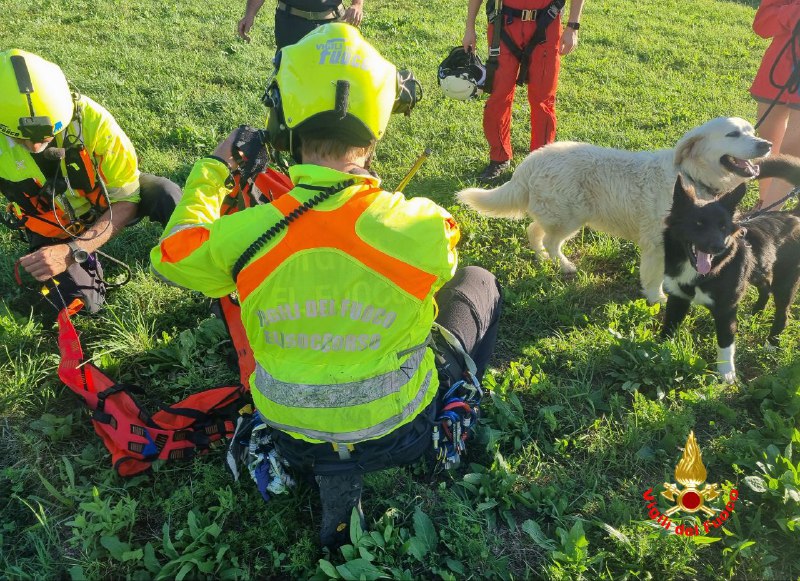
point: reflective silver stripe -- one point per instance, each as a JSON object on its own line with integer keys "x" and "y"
{"x": 357, "y": 436}
{"x": 180, "y": 227}
{"x": 161, "y": 277}
{"x": 164, "y": 279}
{"x": 337, "y": 395}
{"x": 122, "y": 193}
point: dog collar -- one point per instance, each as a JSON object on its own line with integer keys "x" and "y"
{"x": 703, "y": 185}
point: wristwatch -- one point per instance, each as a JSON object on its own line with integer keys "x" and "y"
{"x": 79, "y": 255}
{"x": 574, "y": 25}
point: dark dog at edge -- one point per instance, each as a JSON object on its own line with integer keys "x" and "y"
{"x": 710, "y": 258}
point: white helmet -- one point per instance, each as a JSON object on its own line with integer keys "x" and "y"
{"x": 461, "y": 75}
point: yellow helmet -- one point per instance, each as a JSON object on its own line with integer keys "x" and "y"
{"x": 334, "y": 82}
{"x": 35, "y": 100}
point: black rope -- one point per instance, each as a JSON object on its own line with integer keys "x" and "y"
{"x": 283, "y": 223}
{"x": 793, "y": 82}
{"x": 126, "y": 274}
{"x": 761, "y": 211}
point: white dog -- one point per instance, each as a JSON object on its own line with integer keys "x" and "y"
{"x": 567, "y": 185}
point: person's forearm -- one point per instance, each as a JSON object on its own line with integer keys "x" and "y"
{"x": 575, "y": 9}
{"x": 107, "y": 226}
{"x": 472, "y": 12}
{"x": 253, "y": 6}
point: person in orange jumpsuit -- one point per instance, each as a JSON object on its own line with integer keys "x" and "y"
{"x": 778, "y": 20}
{"x": 519, "y": 22}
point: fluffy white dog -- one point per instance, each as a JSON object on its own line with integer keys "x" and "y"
{"x": 567, "y": 185}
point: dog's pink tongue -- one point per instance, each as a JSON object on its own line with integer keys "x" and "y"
{"x": 748, "y": 167}
{"x": 703, "y": 262}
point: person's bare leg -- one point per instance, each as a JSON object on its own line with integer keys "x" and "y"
{"x": 789, "y": 146}
{"x": 772, "y": 129}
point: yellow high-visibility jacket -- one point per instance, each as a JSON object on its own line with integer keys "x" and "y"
{"x": 102, "y": 142}
{"x": 337, "y": 307}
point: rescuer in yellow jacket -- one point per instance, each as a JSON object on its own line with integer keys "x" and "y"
{"x": 71, "y": 178}
{"x": 338, "y": 279}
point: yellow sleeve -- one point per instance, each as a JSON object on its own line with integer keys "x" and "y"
{"x": 113, "y": 151}
{"x": 185, "y": 256}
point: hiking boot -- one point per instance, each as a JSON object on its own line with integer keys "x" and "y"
{"x": 494, "y": 170}
{"x": 339, "y": 495}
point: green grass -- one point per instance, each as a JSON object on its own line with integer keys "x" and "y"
{"x": 589, "y": 408}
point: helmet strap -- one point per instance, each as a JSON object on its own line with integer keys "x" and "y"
{"x": 295, "y": 147}
{"x": 342, "y": 98}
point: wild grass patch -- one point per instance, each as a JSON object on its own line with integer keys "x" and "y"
{"x": 589, "y": 407}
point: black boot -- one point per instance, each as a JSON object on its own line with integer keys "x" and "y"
{"x": 492, "y": 172}
{"x": 339, "y": 495}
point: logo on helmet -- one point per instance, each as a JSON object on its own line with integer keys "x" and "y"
{"x": 8, "y": 131}
{"x": 336, "y": 52}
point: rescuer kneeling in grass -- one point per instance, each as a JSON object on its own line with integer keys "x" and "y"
{"x": 339, "y": 281}
{"x": 71, "y": 177}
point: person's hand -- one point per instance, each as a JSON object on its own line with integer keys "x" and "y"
{"x": 47, "y": 262}
{"x": 468, "y": 42}
{"x": 354, "y": 14}
{"x": 569, "y": 40}
{"x": 244, "y": 26}
{"x": 225, "y": 149}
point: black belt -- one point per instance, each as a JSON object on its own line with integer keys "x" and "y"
{"x": 332, "y": 14}
{"x": 524, "y": 15}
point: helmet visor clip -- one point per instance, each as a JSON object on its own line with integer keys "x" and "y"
{"x": 37, "y": 129}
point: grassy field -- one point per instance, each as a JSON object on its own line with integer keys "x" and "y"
{"x": 589, "y": 408}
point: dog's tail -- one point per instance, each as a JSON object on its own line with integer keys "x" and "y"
{"x": 781, "y": 166}
{"x": 784, "y": 167}
{"x": 507, "y": 201}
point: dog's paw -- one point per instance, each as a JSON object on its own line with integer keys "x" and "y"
{"x": 568, "y": 269}
{"x": 727, "y": 372}
{"x": 655, "y": 297}
{"x": 540, "y": 254}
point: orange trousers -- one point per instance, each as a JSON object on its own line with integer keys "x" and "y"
{"x": 542, "y": 83}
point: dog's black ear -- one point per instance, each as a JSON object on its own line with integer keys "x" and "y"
{"x": 683, "y": 196}
{"x": 730, "y": 200}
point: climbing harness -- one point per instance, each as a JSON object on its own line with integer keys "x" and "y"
{"x": 136, "y": 438}
{"x": 251, "y": 446}
{"x": 497, "y": 14}
{"x": 458, "y": 408}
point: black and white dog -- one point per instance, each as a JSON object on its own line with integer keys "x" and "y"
{"x": 710, "y": 258}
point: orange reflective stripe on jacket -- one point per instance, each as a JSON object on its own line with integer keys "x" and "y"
{"x": 339, "y": 233}
{"x": 182, "y": 243}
